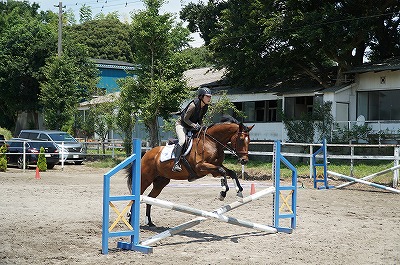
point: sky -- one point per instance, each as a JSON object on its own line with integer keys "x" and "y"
{"x": 124, "y": 7}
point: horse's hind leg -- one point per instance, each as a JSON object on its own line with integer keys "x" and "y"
{"x": 158, "y": 185}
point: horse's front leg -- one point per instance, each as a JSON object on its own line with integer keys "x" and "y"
{"x": 215, "y": 171}
{"x": 236, "y": 182}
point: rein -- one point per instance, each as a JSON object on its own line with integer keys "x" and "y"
{"x": 227, "y": 147}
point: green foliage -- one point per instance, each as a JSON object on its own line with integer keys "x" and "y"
{"x": 85, "y": 14}
{"x": 303, "y": 130}
{"x": 103, "y": 118}
{"x": 3, "y": 158}
{"x": 220, "y": 107}
{"x": 7, "y": 133}
{"x": 354, "y": 134}
{"x": 42, "y": 162}
{"x": 159, "y": 88}
{"x": 105, "y": 38}
{"x": 254, "y": 39}
{"x": 26, "y": 40}
{"x": 68, "y": 80}
{"x": 197, "y": 57}
{"x": 323, "y": 120}
{"x": 300, "y": 131}
{"x": 127, "y": 112}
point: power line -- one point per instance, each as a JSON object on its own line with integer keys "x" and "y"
{"x": 104, "y": 4}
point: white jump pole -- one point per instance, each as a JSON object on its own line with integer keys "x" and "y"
{"x": 179, "y": 228}
{"x": 364, "y": 182}
{"x": 197, "y": 212}
{"x": 369, "y": 176}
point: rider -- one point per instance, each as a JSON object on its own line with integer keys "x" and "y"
{"x": 191, "y": 119}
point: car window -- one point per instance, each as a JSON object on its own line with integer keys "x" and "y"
{"x": 24, "y": 135}
{"x": 43, "y": 136}
{"x": 62, "y": 137}
{"x": 29, "y": 135}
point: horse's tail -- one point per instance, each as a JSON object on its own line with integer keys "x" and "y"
{"x": 129, "y": 177}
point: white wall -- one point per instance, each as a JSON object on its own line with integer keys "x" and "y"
{"x": 266, "y": 131}
{"x": 372, "y": 80}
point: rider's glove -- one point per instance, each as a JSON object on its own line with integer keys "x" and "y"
{"x": 196, "y": 126}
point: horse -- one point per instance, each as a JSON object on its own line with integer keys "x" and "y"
{"x": 206, "y": 157}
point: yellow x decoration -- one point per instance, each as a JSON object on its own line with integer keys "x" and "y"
{"x": 285, "y": 202}
{"x": 121, "y": 216}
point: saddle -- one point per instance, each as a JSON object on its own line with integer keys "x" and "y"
{"x": 168, "y": 152}
{"x": 187, "y": 146}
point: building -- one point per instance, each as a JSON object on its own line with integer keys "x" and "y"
{"x": 368, "y": 96}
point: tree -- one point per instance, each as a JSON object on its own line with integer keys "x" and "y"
{"x": 105, "y": 37}
{"x": 85, "y": 13}
{"x": 41, "y": 162}
{"x": 68, "y": 80}
{"x": 103, "y": 119}
{"x": 203, "y": 18}
{"x": 197, "y": 57}
{"x": 27, "y": 38}
{"x": 159, "y": 88}
{"x": 257, "y": 39}
{"x": 128, "y": 111}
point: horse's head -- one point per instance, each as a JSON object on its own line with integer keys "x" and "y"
{"x": 240, "y": 143}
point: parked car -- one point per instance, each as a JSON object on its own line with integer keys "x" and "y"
{"x": 73, "y": 150}
{"x": 15, "y": 152}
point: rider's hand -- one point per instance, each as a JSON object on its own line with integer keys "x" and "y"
{"x": 196, "y": 126}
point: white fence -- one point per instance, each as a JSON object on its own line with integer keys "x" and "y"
{"x": 351, "y": 156}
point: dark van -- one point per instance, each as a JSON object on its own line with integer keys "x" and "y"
{"x": 73, "y": 150}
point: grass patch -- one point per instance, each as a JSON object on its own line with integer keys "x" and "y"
{"x": 105, "y": 163}
{"x": 260, "y": 170}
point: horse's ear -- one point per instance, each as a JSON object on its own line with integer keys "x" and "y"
{"x": 250, "y": 127}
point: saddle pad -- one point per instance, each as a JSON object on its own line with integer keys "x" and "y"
{"x": 167, "y": 153}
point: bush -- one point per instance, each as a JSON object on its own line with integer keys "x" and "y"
{"x": 7, "y": 134}
{"x": 42, "y": 162}
{"x": 3, "y": 158}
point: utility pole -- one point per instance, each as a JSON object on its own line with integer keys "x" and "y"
{"x": 60, "y": 12}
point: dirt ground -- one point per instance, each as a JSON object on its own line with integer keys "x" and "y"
{"x": 57, "y": 219}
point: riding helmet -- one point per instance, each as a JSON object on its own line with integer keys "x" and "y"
{"x": 204, "y": 91}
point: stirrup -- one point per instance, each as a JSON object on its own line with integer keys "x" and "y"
{"x": 176, "y": 168}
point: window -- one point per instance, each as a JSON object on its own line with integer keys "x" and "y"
{"x": 379, "y": 105}
{"x": 296, "y": 107}
{"x": 258, "y": 111}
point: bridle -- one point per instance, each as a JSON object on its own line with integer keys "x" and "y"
{"x": 240, "y": 135}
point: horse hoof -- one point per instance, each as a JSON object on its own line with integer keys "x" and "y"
{"x": 151, "y": 224}
{"x": 222, "y": 195}
{"x": 239, "y": 195}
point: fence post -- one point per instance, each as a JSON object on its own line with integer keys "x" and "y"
{"x": 351, "y": 160}
{"x": 396, "y": 163}
{"x": 311, "y": 160}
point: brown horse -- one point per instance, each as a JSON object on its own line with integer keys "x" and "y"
{"x": 205, "y": 157}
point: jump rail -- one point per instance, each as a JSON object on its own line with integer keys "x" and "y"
{"x": 352, "y": 180}
{"x": 135, "y": 199}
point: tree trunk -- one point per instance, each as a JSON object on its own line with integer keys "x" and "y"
{"x": 152, "y": 126}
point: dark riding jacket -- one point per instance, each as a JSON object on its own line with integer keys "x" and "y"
{"x": 190, "y": 116}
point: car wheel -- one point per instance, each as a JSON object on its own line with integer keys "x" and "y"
{"x": 50, "y": 166}
{"x": 78, "y": 162}
{"x": 20, "y": 162}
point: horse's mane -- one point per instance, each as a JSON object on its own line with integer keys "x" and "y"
{"x": 226, "y": 119}
{"x": 229, "y": 118}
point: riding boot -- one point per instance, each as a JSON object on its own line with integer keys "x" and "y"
{"x": 177, "y": 166}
